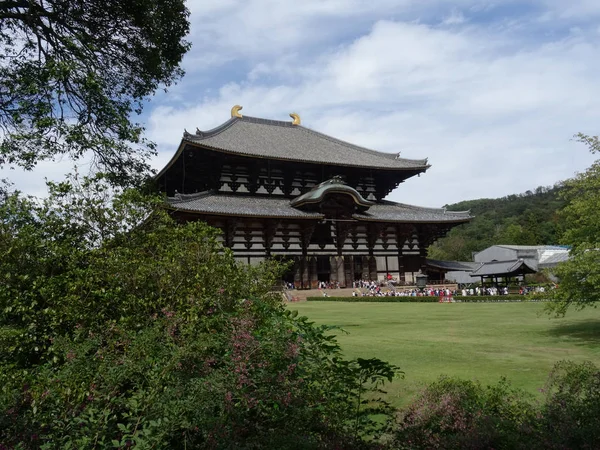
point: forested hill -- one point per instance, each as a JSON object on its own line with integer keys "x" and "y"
{"x": 521, "y": 219}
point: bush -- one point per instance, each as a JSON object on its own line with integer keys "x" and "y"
{"x": 453, "y": 413}
{"x": 153, "y": 336}
{"x": 570, "y": 416}
{"x": 255, "y": 377}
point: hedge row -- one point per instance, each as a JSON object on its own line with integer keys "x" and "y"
{"x": 460, "y": 299}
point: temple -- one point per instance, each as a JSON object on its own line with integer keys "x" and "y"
{"x": 278, "y": 189}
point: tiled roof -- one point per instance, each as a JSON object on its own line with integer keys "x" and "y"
{"x": 386, "y": 211}
{"x": 264, "y": 138}
{"x": 452, "y": 265}
{"x": 503, "y": 268}
{"x": 531, "y": 247}
{"x": 211, "y": 202}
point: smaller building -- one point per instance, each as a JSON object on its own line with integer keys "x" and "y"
{"x": 455, "y": 271}
{"x": 499, "y": 262}
{"x": 493, "y": 271}
{"x": 536, "y": 256}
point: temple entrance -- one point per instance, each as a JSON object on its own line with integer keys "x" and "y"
{"x": 323, "y": 268}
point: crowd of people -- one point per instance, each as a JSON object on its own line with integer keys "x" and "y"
{"x": 371, "y": 288}
{"x": 378, "y": 292}
{"x": 493, "y": 290}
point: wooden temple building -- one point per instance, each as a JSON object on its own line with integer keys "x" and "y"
{"x": 278, "y": 189}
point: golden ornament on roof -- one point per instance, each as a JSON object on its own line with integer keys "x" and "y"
{"x": 235, "y": 111}
{"x": 296, "y": 118}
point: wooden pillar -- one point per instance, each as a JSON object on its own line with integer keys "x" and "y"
{"x": 348, "y": 270}
{"x": 365, "y": 267}
{"x": 304, "y": 268}
{"x": 333, "y": 269}
{"x": 298, "y": 272}
{"x": 401, "y": 270}
{"x": 403, "y": 232}
{"x": 341, "y": 276}
{"x": 373, "y": 268}
{"x": 312, "y": 272}
{"x": 305, "y": 235}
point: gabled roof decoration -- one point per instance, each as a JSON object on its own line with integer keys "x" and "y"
{"x": 334, "y": 186}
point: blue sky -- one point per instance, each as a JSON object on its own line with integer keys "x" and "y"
{"x": 490, "y": 91}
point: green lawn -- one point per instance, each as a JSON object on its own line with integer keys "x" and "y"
{"x": 481, "y": 341}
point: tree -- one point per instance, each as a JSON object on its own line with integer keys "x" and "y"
{"x": 580, "y": 276}
{"x": 73, "y": 72}
{"x": 119, "y": 328}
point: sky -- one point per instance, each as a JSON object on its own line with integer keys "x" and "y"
{"x": 491, "y": 92}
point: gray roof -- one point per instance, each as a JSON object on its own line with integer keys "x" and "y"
{"x": 530, "y": 247}
{"x": 211, "y": 202}
{"x": 500, "y": 268}
{"x": 274, "y": 139}
{"x": 452, "y": 265}
{"x": 386, "y": 211}
{"x": 550, "y": 258}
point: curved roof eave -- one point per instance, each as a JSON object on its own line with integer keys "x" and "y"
{"x": 418, "y": 169}
{"x": 257, "y": 216}
{"x": 361, "y": 218}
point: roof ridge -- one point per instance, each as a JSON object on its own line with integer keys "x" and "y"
{"x": 279, "y": 123}
{"x": 466, "y": 211}
{"x": 504, "y": 261}
{"x": 425, "y": 208}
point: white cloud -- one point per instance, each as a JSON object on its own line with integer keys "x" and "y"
{"x": 492, "y": 103}
{"x": 494, "y": 115}
{"x": 571, "y": 9}
{"x": 456, "y": 17}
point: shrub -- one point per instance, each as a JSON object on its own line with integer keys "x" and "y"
{"x": 453, "y": 413}
{"x": 154, "y": 337}
{"x": 570, "y": 416}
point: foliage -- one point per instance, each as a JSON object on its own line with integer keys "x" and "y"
{"x": 580, "y": 276}
{"x": 74, "y": 73}
{"x": 453, "y": 413}
{"x": 570, "y": 416}
{"x": 122, "y": 328}
{"x": 525, "y": 219}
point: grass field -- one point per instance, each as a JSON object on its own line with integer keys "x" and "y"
{"x": 473, "y": 341}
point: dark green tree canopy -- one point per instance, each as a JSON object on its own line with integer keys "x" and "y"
{"x": 73, "y": 72}
{"x": 530, "y": 218}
